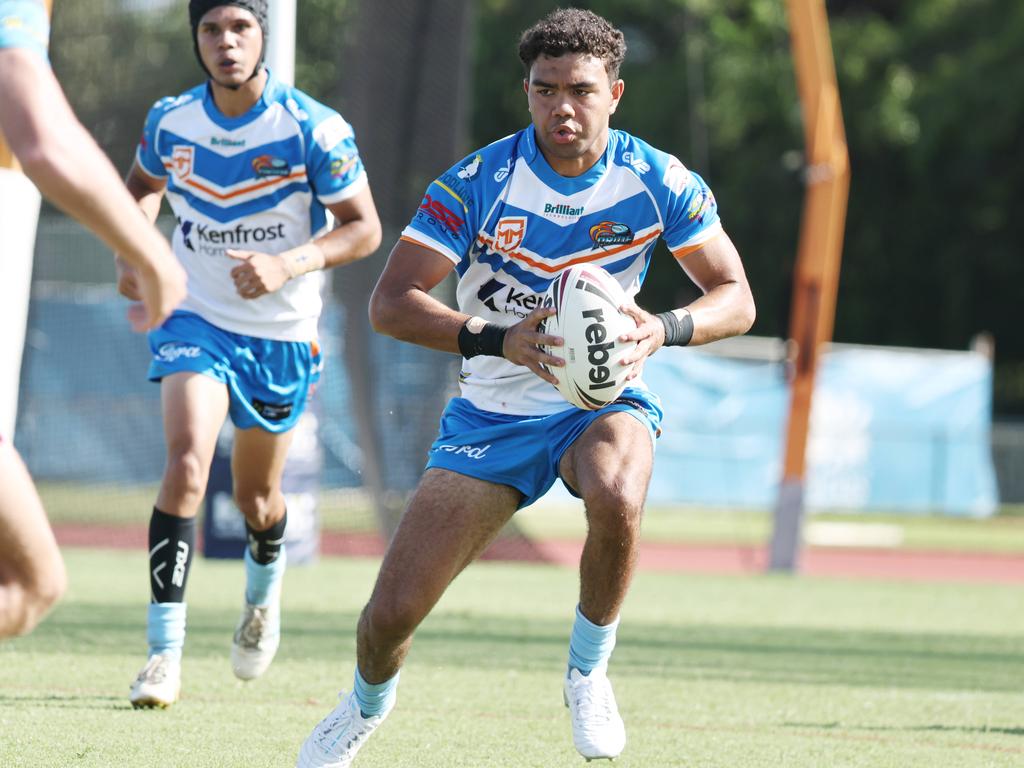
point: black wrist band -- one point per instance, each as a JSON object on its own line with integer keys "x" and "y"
{"x": 489, "y": 341}
{"x": 677, "y": 332}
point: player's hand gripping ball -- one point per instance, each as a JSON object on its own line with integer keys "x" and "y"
{"x": 586, "y": 300}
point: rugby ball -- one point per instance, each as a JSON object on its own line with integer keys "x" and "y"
{"x": 586, "y": 300}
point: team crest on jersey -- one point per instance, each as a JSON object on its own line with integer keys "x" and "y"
{"x": 611, "y": 233}
{"x": 509, "y": 233}
{"x": 267, "y": 165}
{"x": 181, "y": 161}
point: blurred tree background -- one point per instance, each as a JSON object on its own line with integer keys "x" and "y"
{"x": 931, "y": 91}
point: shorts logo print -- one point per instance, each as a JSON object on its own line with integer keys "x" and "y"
{"x": 471, "y": 451}
{"x": 168, "y": 353}
{"x": 272, "y": 411}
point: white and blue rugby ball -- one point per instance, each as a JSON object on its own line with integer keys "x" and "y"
{"x": 586, "y": 300}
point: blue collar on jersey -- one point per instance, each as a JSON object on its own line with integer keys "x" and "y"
{"x": 270, "y": 91}
{"x": 566, "y": 185}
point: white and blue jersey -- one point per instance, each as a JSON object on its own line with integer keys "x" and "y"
{"x": 509, "y": 223}
{"x": 258, "y": 182}
{"x": 25, "y": 24}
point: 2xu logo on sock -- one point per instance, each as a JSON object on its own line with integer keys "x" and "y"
{"x": 180, "y": 562}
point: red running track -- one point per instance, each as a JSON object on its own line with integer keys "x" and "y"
{"x": 898, "y": 564}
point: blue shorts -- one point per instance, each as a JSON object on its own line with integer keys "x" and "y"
{"x": 524, "y": 451}
{"x": 269, "y": 381}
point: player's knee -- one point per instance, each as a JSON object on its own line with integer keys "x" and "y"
{"x": 185, "y": 475}
{"x": 614, "y": 506}
{"x": 256, "y": 504}
{"x": 28, "y": 604}
{"x": 50, "y": 588}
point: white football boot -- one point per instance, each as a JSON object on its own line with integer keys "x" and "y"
{"x": 339, "y": 736}
{"x": 597, "y": 730}
{"x": 158, "y": 684}
{"x": 256, "y": 639}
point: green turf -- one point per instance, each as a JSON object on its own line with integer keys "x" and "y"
{"x": 734, "y": 672}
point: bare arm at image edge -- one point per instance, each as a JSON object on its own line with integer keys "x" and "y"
{"x": 70, "y": 170}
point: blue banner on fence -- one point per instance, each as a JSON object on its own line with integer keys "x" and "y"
{"x": 891, "y": 430}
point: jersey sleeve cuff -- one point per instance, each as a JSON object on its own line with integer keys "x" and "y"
{"x": 141, "y": 165}
{"x": 695, "y": 244}
{"x": 411, "y": 235}
{"x": 351, "y": 190}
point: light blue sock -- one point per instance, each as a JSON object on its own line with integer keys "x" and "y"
{"x": 165, "y": 628}
{"x": 375, "y": 699}
{"x": 590, "y": 645}
{"x": 263, "y": 582}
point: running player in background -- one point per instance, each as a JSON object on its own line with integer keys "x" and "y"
{"x": 253, "y": 170}
{"x": 508, "y": 219}
{"x": 62, "y": 159}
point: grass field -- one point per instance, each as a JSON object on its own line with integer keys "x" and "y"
{"x": 709, "y": 671}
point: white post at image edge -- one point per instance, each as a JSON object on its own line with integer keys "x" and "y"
{"x": 19, "y": 215}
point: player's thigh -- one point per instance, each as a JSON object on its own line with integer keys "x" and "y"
{"x": 257, "y": 460}
{"x": 194, "y": 408}
{"x": 613, "y": 457}
{"x": 28, "y": 550}
{"x": 449, "y": 522}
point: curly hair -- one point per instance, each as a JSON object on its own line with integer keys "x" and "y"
{"x": 572, "y": 30}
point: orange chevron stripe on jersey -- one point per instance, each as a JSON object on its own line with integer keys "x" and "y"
{"x": 244, "y": 190}
{"x": 555, "y": 268}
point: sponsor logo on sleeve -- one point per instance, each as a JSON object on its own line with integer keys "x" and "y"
{"x": 439, "y": 214}
{"x": 470, "y": 170}
{"x": 457, "y": 187}
{"x": 677, "y": 177}
{"x": 700, "y": 205}
{"x": 342, "y": 165}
